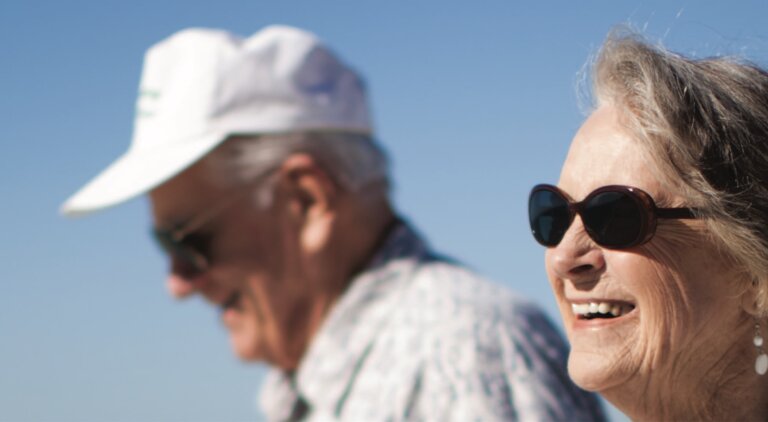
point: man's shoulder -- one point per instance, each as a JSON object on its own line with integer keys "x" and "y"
{"x": 445, "y": 286}
{"x": 447, "y": 301}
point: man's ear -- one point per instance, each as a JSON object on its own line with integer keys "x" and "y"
{"x": 311, "y": 196}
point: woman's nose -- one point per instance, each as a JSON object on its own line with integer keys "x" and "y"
{"x": 577, "y": 258}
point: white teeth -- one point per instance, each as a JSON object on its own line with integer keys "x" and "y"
{"x": 605, "y": 308}
{"x": 580, "y": 308}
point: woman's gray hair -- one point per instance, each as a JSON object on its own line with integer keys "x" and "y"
{"x": 354, "y": 161}
{"x": 704, "y": 124}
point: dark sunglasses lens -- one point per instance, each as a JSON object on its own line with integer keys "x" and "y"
{"x": 613, "y": 219}
{"x": 549, "y": 216}
{"x": 187, "y": 261}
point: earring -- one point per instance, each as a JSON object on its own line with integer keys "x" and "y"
{"x": 761, "y": 364}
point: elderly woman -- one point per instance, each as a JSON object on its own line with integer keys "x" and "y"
{"x": 657, "y": 236}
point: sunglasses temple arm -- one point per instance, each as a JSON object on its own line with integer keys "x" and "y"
{"x": 676, "y": 213}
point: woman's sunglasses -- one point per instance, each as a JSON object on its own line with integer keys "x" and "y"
{"x": 615, "y": 217}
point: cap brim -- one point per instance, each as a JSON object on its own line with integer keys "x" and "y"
{"x": 137, "y": 172}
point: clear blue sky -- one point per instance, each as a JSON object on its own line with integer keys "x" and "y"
{"x": 475, "y": 101}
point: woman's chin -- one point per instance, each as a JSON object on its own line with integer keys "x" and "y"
{"x": 593, "y": 372}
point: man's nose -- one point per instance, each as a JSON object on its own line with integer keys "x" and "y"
{"x": 178, "y": 287}
{"x": 181, "y": 282}
{"x": 577, "y": 258}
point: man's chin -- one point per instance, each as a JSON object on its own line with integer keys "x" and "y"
{"x": 245, "y": 351}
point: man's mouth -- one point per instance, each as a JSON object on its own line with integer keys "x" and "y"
{"x": 601, "y": 309}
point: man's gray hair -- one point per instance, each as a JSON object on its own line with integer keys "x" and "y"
{"x": 704, "y": 125}
{"x": 355, "y": 161}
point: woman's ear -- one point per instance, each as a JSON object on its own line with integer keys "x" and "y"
{"x": 749, "y": 298}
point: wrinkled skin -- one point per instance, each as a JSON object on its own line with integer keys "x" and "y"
{"x": 684, "y": 352}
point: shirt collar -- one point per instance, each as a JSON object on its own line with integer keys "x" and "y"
{"x": 343, "y": 340}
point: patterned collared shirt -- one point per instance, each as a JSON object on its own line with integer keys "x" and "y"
{"x": 418, "y": 337}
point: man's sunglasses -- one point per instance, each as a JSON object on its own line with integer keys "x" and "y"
{"x": 187, "y": 245}
{"x": 189, "y": 252}
{"x": 615, "y": 217}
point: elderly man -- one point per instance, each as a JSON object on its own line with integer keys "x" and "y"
{"x": 270, "y": 197}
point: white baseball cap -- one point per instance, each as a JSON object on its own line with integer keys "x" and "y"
{"x": 200, "y": 86}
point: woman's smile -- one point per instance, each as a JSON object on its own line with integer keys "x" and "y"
{"x": 600, "y": 309}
